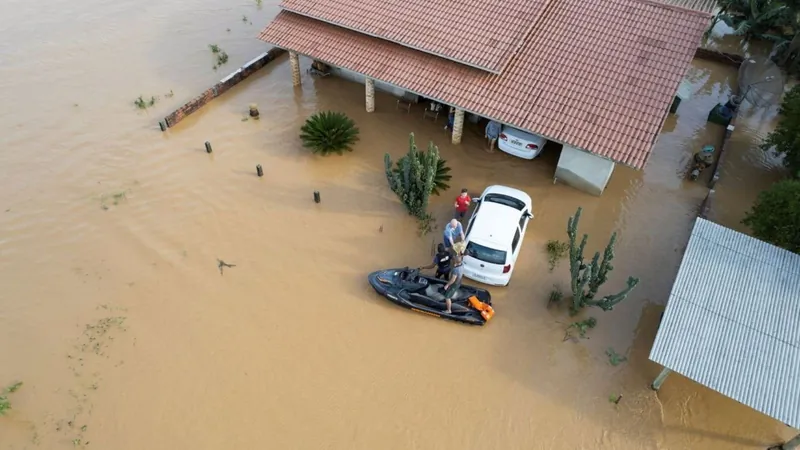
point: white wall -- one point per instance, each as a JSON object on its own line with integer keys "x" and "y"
{"x": 583, "y": 170}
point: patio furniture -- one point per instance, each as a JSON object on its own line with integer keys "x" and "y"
{"x": 319, "y": 69}
{"x": 405, "y": 102}
{"x": 433, "y": 110}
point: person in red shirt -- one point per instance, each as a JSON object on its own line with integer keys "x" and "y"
{"x": 462, "y": 204}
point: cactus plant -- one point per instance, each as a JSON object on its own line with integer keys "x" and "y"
{"x": 413, "y": 178}
{"x": 586, "y": 279}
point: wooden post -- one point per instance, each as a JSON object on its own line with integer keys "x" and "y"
{"x": 458, "y": 126}
{"x": 317, "y": 199}
{"x": 208, "y": 147}
{"x": 295, "y": 63}
{"x": 370, "y": 88}
{"x": 660, "y": 379}
{"x": 162, "y": 125}
{"x": 259, "y": 171}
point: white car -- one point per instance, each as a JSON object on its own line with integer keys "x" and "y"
{"x": 494, "y": 234}
{"x": 519, "y": 143}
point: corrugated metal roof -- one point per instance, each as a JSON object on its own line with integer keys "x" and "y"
{"x": 733, "y": 321}
{"x": 480, "y": 33}
{"x": 596, "y": 77}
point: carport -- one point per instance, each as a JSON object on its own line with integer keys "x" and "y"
{"x": 732, "y": 322}
{"x": 604, "y": 101}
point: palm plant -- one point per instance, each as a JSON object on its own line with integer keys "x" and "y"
{"x": 754, "y": 18}
{"x": 329, "y": 132}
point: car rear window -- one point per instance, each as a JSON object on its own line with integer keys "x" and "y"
{"x": 505, "y": 200}
{"x": 486, "y": 254}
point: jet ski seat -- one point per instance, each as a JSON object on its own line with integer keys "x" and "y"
{"x": 435, "y": 292}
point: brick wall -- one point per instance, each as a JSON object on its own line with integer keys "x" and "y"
{"x": 222, "y": 86}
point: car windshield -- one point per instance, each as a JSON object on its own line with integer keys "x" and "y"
{"x": 505, "y": 200}
{"x": 486, "y": 254}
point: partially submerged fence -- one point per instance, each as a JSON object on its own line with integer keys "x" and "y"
{"x": 734, "y": 61}
{"x": 221, "y": 87}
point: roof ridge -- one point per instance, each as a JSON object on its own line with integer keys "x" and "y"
{"x": 676, "y": 8}
{"x": 526, "y": 36}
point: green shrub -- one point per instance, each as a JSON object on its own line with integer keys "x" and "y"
{"x": 329, "y": 132}
{"x": 775, "y": 216}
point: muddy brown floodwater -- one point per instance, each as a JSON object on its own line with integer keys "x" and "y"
{"x": 126, "y": 335}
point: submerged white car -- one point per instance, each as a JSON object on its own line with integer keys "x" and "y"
{"x": 519, "y": 143}
{"x": 495, "y": 233}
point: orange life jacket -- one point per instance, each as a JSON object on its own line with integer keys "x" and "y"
{"x": 487, "y": 312}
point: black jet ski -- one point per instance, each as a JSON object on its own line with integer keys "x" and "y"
{"x": 425, "y": 294}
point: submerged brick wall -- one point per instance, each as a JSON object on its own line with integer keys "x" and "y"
{"x": 222, "y": 86}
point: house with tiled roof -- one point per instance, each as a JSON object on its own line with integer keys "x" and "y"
{"x": 596, "y": 76}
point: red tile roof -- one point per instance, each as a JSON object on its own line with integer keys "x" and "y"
{"x": 598, "y": 75}
{"x": 480, "y": 33}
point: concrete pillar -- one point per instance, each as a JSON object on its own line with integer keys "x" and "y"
{"x": 458, "y": 126}
{"x": 295, "y": 63}
{"x": 370, "y": 87}
{"x": 660, "y": 379}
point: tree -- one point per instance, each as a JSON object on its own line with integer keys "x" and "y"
{"x": 413, "y": 179}
{"x": 587, "y": 278}
{"x": 785, "y": 139}
{"x": 329, "y": 132}
{"x": 775, "y": 216}
{"x": 754, "y": 18}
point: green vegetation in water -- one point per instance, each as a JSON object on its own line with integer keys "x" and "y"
{"x": 5, "y": 403}
{"x": 413, "y": 180}
{"x": 245, "y": 19}
{"x": 556, "y": 251}
{"x": 141, "y": 103}
{"x": 259, "y": 3}
{"x": 768, "y": 21}
{"x": 440, "y": 180}
{"x": 170, "y": 94}
{"x": 426, "y": 224}
{"x": 586, "y": 279}
{"x": 615, "y": 358}
{"x": 555, "y": 296}
{"x": 581, "y": 328}
{"x": 615, "y": 398}
{"x": 775, "y": 216}
{"x": 328, "y": 132}
{"x": 222, "y": 56}
{"x": 783, "y": 140}
{"x": 114, "y": 198}
{"x": 228, "y": 30}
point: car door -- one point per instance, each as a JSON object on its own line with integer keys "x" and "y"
{"x": 521, "y": 227}
{"x": 472, "y": 219}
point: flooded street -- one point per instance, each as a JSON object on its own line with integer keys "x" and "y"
{"x": 126, "y": 334}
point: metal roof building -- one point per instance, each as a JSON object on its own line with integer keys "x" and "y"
{"x": 733, "y": 321}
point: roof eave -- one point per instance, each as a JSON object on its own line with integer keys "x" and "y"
{"x": 439, "y": 55}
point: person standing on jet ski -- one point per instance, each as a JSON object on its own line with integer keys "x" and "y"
{"x": 442, "y": 263}
{"x": 452, "y": 286}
